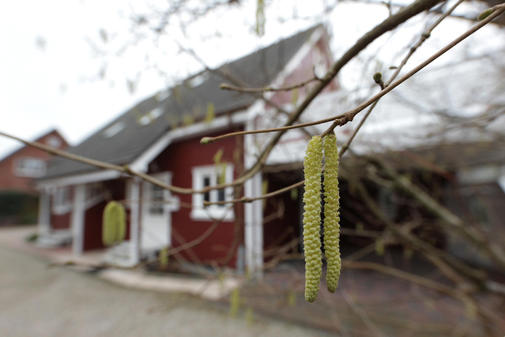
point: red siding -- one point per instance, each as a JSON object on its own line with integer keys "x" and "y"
{"x": 93, "y": 216}
{"x": 61, "y": 221}
{"x": 93, "y": 227}
{"x": 8, "y": 178}
{"x": 281, "y": 214}
{"x": 220, "y": 247}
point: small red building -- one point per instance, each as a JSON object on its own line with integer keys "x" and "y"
{"x": 19, "y": 168}
{"x": 161, "y": 136}
{"x": 17, "y": 173}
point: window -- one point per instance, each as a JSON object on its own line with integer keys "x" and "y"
{"x": 54, "y": 141}
{"x": 62, "y": 202}
{"x": 113, "y": 130}
{"x": 162, "y": 95}
{"x": 151, "y": 116}
{"x": 205, "y": 176}
{"x": 157, "y": 200}
{"x": 198, "y": 79}
{"x": 30, "y": 167}
{"x": 94, "y": 194}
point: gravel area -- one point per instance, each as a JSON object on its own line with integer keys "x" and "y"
{"x": 39, "y": 300}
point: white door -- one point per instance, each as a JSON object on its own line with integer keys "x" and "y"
{"x": 157, "y": 205}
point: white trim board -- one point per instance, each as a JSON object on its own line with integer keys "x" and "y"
{"x": 77, "y": 219}
{"x": 79, "y": 179}
{"x": 191, "y": 131}
{"x": 141, "y": 163}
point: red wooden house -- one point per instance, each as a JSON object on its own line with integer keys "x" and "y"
{"x": 161, "y": 136}
{"x": 17, "y": 173}
{"x": 19, "y": 168}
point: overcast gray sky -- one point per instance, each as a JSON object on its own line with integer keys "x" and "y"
{"x": 49, "y": 72}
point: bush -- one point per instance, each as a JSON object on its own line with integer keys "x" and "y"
{"x": 18, "y": 208}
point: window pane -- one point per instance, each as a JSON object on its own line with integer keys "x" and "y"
{"x": 30, "y": 167}
{"x": 157, "y": 200}
{"x": 206, "y": 183}
{"x": 62, "y": 196}
{"x": 220, "y": 195}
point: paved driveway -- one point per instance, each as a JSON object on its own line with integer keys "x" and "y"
{"x": 37, "y": 300}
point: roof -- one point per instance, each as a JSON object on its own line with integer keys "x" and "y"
{"x": 168, "y": 108}
{"x": 37, "y": 139}
{"x": 451, "y": 156}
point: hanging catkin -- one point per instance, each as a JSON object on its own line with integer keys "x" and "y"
{"x": 331, "y": 212}
{"x": 114, "y": 223}
{"x": 312, "y": 217}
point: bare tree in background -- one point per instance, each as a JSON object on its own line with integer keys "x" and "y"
{"x": 416, "y": 218}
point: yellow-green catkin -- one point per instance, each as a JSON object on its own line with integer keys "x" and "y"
{"x": 114, "y": 223}
{"x": 163, "y": 257}
{"x": 234, "y": 302}
{"x": 312, "y": 167}
{"x": 331, "y": 213}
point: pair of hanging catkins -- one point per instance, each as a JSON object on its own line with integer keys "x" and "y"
{"x": 313, "y": 165}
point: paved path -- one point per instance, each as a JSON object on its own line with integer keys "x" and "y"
{"x": 37, "y": 300}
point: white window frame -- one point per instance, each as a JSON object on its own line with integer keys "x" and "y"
{"x": 166, "y": 177}
{"x": 213, "y": 212}
{"x": 94, "y": 194}
{"x": 54, "y": 141}
{"x": 29, "y": 172}
{"x": 62, "y": 201}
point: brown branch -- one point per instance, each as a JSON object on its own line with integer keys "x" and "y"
{"x": 247, "y": 199}
{"x": 340, "y": 119}
{"x": 361, "y": 253}
{"x": 362, "y": 315}
{"x": 424, "y": 36}
{"x": 424, "y": 282}
{"x": 360, "y": 232}
{"x": 107, "y": 166}
{"x": 414, "y": 241}
{"x": 195, "y": 241}
{"x": 226, "y": 86}
{"x": 387, "y": 25}
{"x": 455, "y": 223}
{"x": 348, "y": 116}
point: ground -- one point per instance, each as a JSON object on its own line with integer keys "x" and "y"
{"x": 39, "y": 300}
{"x": 366, "y": 303}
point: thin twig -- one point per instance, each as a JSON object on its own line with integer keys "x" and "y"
{"x": 348, "y": 116}
{"x": 107, "y": 166}
{"x": 226, "y": 86}
{"x": 387, "y": 25}
{"x": 247, "y": 199}
{"x": 362, "y": 315}
{"x": 424, "y": 36}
